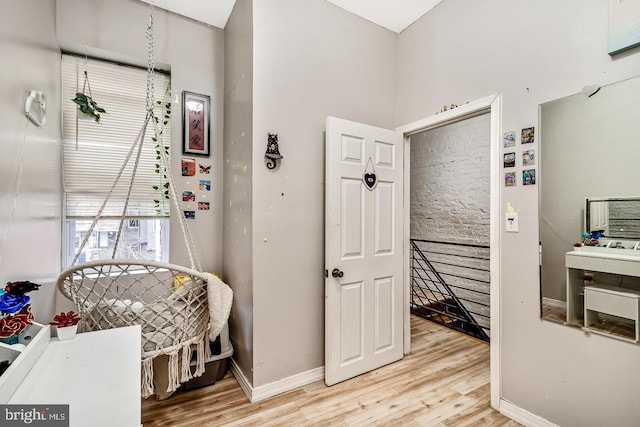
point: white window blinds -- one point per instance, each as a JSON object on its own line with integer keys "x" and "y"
{"x": 93, "y": 153}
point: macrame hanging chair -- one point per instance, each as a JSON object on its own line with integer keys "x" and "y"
{"x": 178, "y": 308}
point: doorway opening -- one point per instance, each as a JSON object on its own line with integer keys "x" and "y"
{"x": 450, "y": 225}
{"x": 491, "y": 106}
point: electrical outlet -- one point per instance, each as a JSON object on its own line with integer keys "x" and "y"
{"x": 511, "y": 225}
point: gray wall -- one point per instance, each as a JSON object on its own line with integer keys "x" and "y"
{"x": 450, "y": 182}
{"x": 238, "y": 173}
{"x": 32, "y": 239}
{"x": 311, "y": 60}
{"x": 531, "y": 52}
{"x": 194, "y": 51}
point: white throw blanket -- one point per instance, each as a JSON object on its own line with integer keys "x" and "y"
{"x": 220, "y": 297}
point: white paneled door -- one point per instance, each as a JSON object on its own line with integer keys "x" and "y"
{"x": 364, "y": 296}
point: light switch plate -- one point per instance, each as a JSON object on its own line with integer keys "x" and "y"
{"x": 511, "y": 224}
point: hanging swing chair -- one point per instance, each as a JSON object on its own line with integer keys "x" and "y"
{"x": 178, "y": 308}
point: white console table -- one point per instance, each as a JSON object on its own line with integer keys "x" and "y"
{"x": 585, "y": 302}
{"x": 96, "y": 373}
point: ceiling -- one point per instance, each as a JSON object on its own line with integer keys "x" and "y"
{"x": 396, "y": 15}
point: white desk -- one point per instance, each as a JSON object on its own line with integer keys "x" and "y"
{"x": 96, "y": 373}
{"x": 584, "y": 302}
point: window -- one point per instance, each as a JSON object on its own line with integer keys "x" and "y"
{"x": 93, "y": 154}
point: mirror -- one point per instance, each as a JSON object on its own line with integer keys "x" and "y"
{"x": 588, "y": 150}
{"x": 614, "y": 219}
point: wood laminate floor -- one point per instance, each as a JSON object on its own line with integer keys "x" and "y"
{"x": 443, "y": 382}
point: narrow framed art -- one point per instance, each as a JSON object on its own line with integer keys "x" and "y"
{"x": 195, "y": 124}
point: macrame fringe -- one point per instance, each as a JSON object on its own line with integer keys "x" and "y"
{"x": 147, "y": 377}
{"x": 207, "y": 347}
{"x": 186, "y": 364}
{"x": 201, "y": 357}
{"x": 174, "y": 381}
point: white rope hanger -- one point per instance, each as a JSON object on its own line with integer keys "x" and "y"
{"x": 178, "y": 308}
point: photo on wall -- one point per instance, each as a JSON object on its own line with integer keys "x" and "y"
{"x": 509, "y": 139}
{"x": 528, "y": 177}
{"x": 510, "y": 179}
{"x": 188, "y": 167}
{"x": 509, "y": 160}
{"x": 529, "y": 158}
{"x": 188, "y": 196}
{"x": 527, "y": 136}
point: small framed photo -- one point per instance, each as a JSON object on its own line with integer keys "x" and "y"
{"x": 527, "y": 136}
{"x": 510, "y": 179}
{"x": 509, "y": 160}
{"x": 188, "y": 167}
{"x": 205, "y": 185}
{"x": 195, "y": 124}
{"x": 529, "y": 177}
{"x": 529, "y": 158}
{"x": 509, "y": 139}
{"x": 188, "y": 196}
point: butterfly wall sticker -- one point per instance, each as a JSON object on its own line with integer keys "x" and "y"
{"x": 205, "y": 169}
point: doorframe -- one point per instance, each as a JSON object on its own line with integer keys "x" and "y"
{"x": 493, "y": 105}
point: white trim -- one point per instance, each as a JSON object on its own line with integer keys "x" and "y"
{"x": 256, "y": 394}
{"x": 493, "y": 104}
{"x": 522, "y": 416}
{"x": 556, "y": 303}
{"x": 495, "y": 252}
{"x": 242, "y": 380}
{"x": 407, "y": 248}
{"x": 449, "y": 115}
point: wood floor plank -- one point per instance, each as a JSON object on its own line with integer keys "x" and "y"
{"x": 443, "y": 382}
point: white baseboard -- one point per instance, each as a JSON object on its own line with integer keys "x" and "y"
{"x": 242, "y": 380}
{"x": 522, "y": 416}
{"x": 549, "y": 302}
{"x": 256, "y": 394}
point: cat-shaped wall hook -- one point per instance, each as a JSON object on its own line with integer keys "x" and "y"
{"x": 272, "y": 156}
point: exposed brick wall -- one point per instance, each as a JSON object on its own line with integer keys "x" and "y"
{"x": 450, "y": 168}
{"x": 624, "y": 219}
{"x": 450, "y": 182}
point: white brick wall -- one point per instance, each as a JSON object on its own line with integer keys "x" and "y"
{"x": 450, "y": 182}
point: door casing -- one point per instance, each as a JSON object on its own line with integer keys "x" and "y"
{"x": 493, "y": 105}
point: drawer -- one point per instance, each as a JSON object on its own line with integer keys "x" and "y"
{"x": 618, "y": 304}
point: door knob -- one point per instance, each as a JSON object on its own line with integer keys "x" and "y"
{"x": 337, "y": 273}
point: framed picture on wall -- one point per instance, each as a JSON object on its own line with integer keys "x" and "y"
{"x": 195, "y": 123}
{"x": 624, "y": 31}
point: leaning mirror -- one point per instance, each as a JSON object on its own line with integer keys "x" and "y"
{"x": 590, "y": 206}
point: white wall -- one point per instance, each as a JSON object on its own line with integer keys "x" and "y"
{"x": 194, "y": 52}
{"x": 311, "y": 60}
{"x": 531, "y": 52}
{"x": 31, "y": 240}
{"x": 238, "y": 172}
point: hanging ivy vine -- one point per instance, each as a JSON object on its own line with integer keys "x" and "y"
{"x": 163, "y": 185}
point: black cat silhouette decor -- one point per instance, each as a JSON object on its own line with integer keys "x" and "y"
{"x": 272, "y": 156}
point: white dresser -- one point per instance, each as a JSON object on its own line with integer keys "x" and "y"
{"x": 585, "y": 301}
{"x": 96, "y": 373}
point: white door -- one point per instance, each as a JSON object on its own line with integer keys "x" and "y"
{"x": 364, "y": 296}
